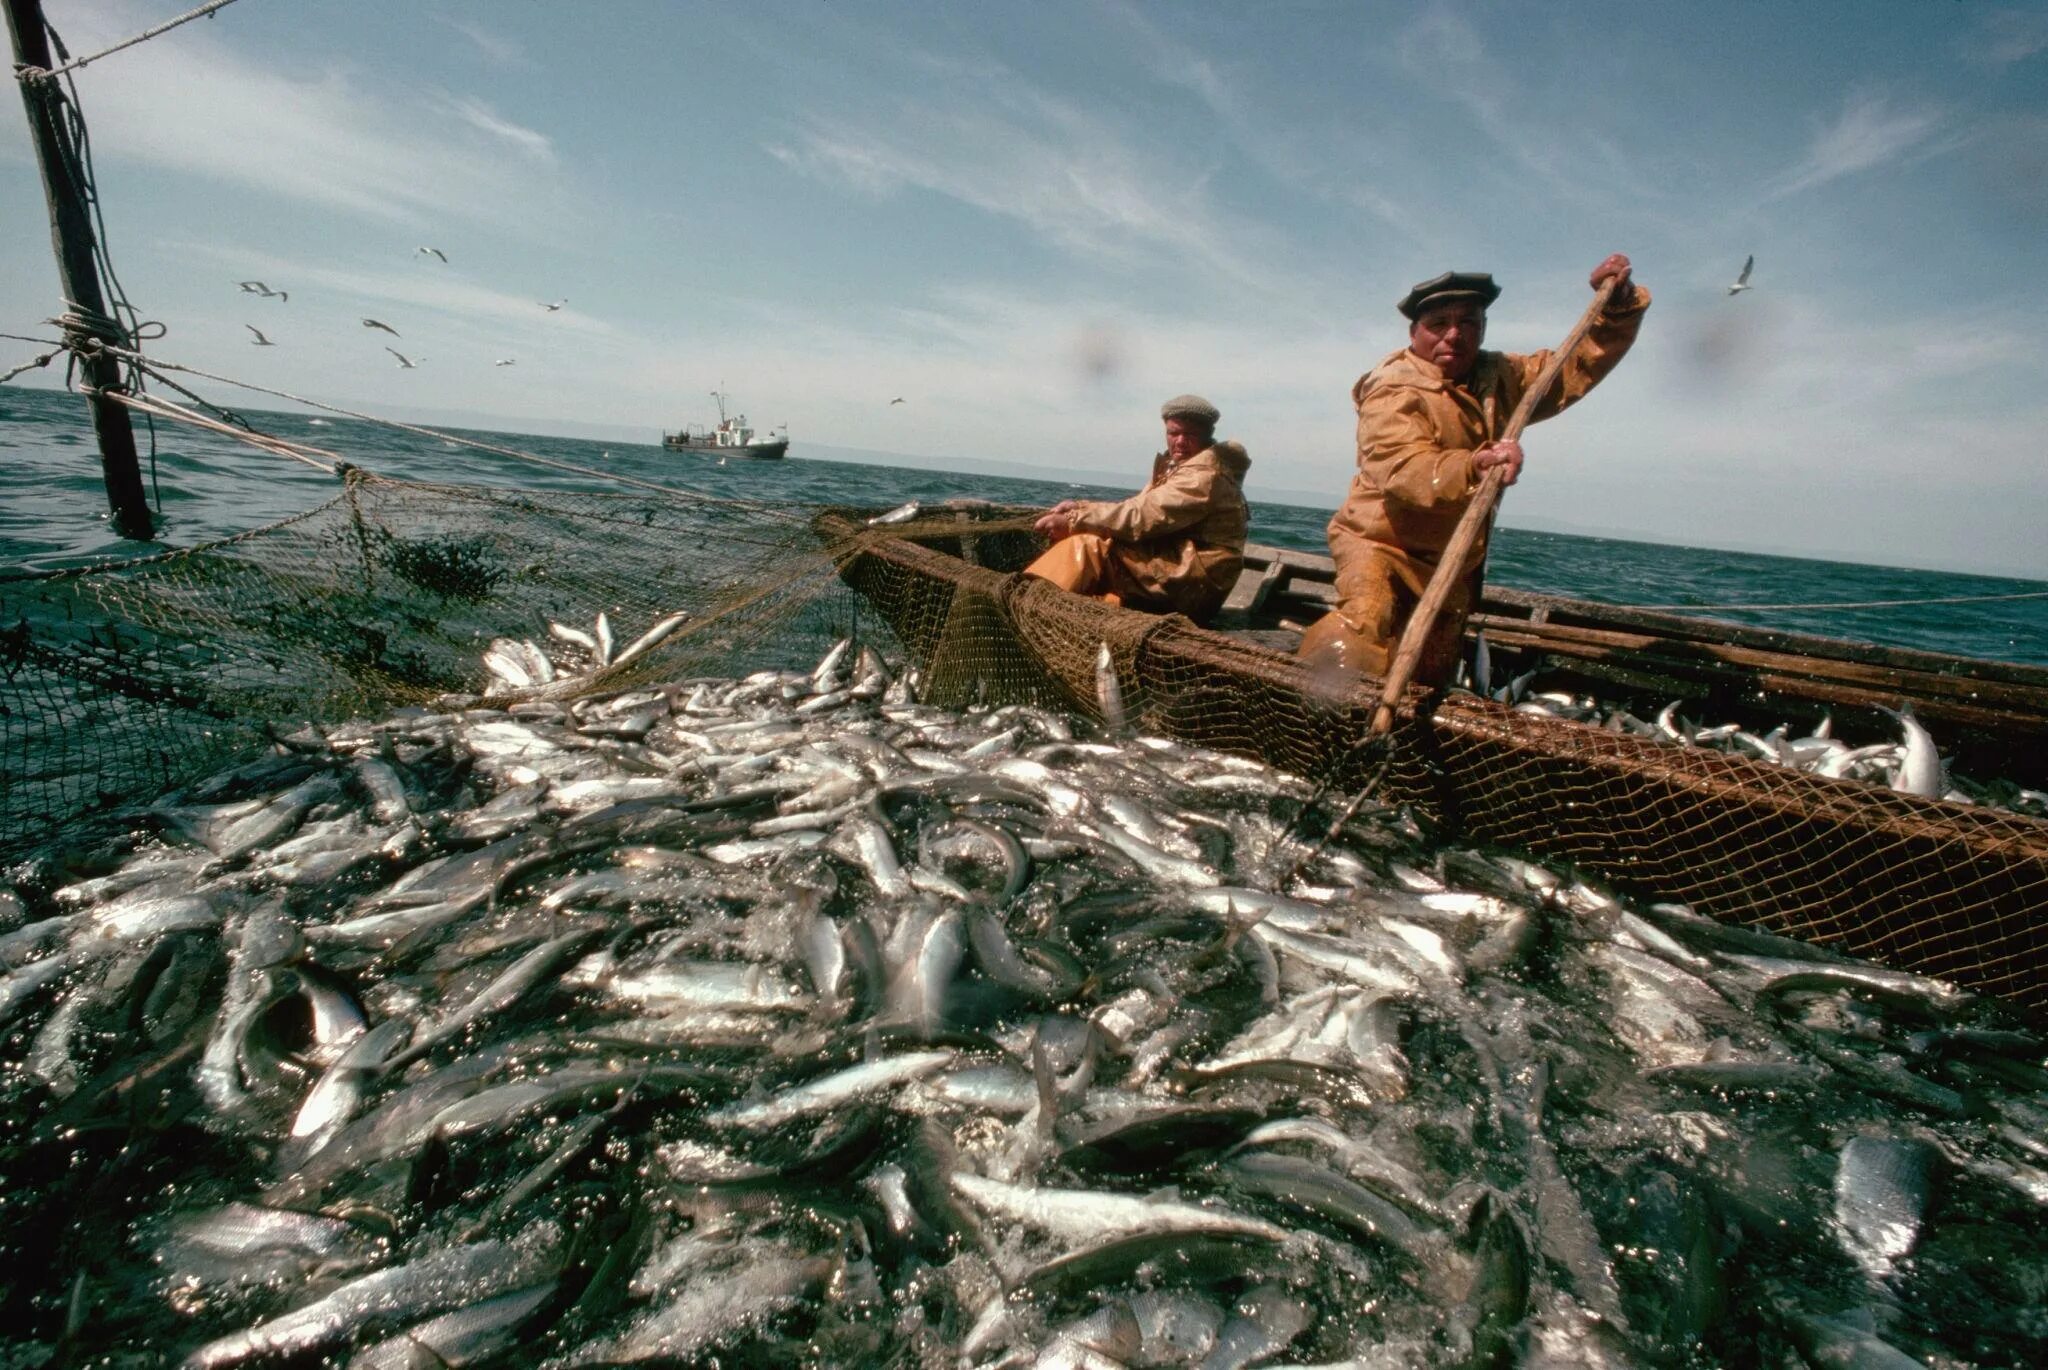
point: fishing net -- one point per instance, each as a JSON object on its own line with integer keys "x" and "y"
{"x": 119, "y": 683}
{"x": 1935, "y": 887}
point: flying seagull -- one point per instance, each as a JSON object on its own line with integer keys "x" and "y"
{"x": 435, "y": 252}
{"x": 506, "y": 361}
{"x": 1742, "y": 281}
{"x": 258, "y": 288}
{"x": 405, "y": 363}
{"x": 897, "y": 400}
{"x": 261, "y": 341}
{"x": 372, "y": 323}
{"x": 551, "y": 308}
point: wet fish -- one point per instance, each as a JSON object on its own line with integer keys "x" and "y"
{"x": 902, "y": 513}
{"x": 1882, "y": 1186}
{"x": 1109, "y": 693}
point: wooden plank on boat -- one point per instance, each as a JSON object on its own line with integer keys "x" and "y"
{"x": 1883, "y": 684}
{"x": 1311, "y": 577}
{"x": 1557, "y": 610}
{"x": 2011, "y": 724}
{"x": 1255, "y": 586}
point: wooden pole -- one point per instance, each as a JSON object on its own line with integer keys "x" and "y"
{"x": 71, "y": 234}
{"x": 1451, "y": 565}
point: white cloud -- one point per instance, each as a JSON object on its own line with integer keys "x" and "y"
{"x": 1869, "y": 132}
{"x": 1085, "y": 181}
{"x": 2003, "y": 37}
{"x": 478, "y": 115}
{"x": 1447, "y": 57}
{"x": 495, "y": 47}
{"x": 321, "y": 136}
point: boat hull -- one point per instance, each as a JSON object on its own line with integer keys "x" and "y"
{"x": 1942, "y": 889}
{"x": 751, "y": 451}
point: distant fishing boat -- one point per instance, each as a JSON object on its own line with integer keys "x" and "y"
{"x": 733, "y": 437}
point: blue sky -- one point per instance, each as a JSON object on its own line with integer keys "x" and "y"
{"x": 1035, "y": 221}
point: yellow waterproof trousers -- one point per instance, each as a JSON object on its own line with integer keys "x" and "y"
{"x": 1375, "y": 596}
{"x": 1082, "y": 563}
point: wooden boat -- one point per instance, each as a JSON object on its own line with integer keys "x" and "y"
{"x": 1942, "y": 888}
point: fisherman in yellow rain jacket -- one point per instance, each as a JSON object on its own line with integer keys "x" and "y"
{"x": 1429, "y": 423}
{"x": 1174, "y": 547}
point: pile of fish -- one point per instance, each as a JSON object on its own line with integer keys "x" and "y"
{"x": 1912, "y": 765}
{"x": 784, "y": 1020}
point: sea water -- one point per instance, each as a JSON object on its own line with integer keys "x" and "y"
{"x": 53, "y": 513}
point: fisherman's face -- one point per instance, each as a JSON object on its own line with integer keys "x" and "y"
{"x": 1185, "y": 437}
{"x": 1449, "y": 335}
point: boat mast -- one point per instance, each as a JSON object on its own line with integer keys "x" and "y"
{"x": 88, "y": 324}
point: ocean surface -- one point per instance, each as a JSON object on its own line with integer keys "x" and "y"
{"x": 53, "y": 513}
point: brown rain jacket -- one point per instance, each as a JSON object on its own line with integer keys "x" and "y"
{"x": 1181, "y": 538}
{"x": 1417, "y": 432}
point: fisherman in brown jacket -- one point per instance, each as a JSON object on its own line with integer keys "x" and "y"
{"x": 1174, "y": 547}
{"x": 1429, "y": 419}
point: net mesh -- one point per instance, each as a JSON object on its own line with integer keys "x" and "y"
{"x": 120, "y": 683}
{"x": 1939, "y": 888}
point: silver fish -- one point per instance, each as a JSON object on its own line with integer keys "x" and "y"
{"x": 457, "y": 1275}
{"x": 902, "y": 513}
{"x": 832, "y": 1091}
{"x": 1109, "y": 693}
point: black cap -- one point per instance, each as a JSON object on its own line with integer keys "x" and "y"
{"x": 1452, "y": 285}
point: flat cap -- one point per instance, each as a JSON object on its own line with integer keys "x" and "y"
{"x": 1452, "y": 285}
{"x": 1190, "y": 407}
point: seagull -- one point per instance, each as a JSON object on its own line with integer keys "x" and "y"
{"x": 255, "y": 287}
{"x": 435, "y": 252}
{"x": 1742, "y": 281}
{"x": 897, "y": 400}
{"x": 551, "y": 308}
{"x": 261, "y": 341}
{"x": 405, "y": 363}
{"x": 372, "y": 323}
{"x": 506, "y": 361}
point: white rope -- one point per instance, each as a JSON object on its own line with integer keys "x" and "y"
{"x": 43, "y": 360}
{"x": 283, "y": 447}
{"x": 28, "y": 73}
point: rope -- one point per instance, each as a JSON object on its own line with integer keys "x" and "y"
{"x": 155, "y": 367}
{"x": 43, "y": 360}
{"x": 1850, "y": 604}
{"x": 32, "y": 74}
{"x": 283, "y": 447}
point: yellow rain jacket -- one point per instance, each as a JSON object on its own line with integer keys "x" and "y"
{"x": 1417, "y": 432}
{"x": 1180, "y": 540}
